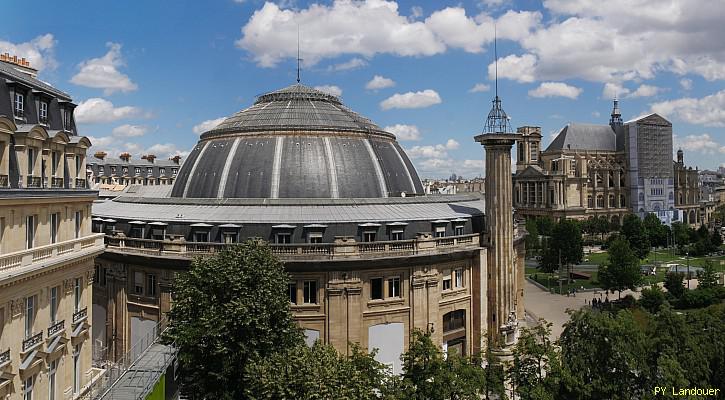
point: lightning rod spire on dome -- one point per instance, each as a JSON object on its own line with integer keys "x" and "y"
{"x": 497, "y": 120}
{"x": 299, "y": 60}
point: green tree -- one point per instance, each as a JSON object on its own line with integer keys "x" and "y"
{"x": 707, "y": 278}
{"x": 656, "y": 231}
{"x": 567, "y": 241}
{"x": 681, "y": 235}
{"x": 532, "y": 239}
{"x": 318, "y": 372}
{"x": 673, "y": 284}
{"x": 603, "y": 356}
{"x": 535, "y": 371}
{"x": 545, "y": 225}
{"x": 716, "y": 239}
{"x": 633, "y": 229}
{"x": 230, "y": 310}
{"x": 652, "y": 299}
{"x": 622, "y": 269}
{"x": 601, "y": 225}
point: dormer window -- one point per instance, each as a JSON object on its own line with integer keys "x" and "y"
{"x": 113, "y": 170}
{"x": 68, "y": 121}
{"x": 174, "y": 171}
{"x": 149, "y": 171}
{"x": 162, "y": 171}
{"x": 19, "y": 105}
{"x": 43, "y": 112}
{"x": 138, "y": 170}
{"x": 100, "y": 170}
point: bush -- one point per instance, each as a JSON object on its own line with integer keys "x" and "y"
{"x": 698, "y": 298}
{"x": 652, "y": 299}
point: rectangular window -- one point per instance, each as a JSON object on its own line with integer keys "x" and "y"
{"x": 394, "y": 287}
{"x": 78, "y": 221}
{"x": 376, "y": 288}
{"x": 29, "y": 314}
{"x": 51, "y": 379}
{"x": 458, "y": 276}
{"x": 54, "y": 163}
{"x": 138, "y": 282}
{"x": 310, "y": 290}
{"x": 201, "y": 236}
{"x": 30, "y": 231}
{"x": 77, "y": 294}
{"x": 396, "y": 235}
{"x": 28, "y": 388}
{"x": 369, "y": 236}
{"x": 53, "y": 303}
{"x": 292, "y": 289}
{"x": 76, "y": 369}
{"x": 43, "y": 112}
{"x": 19, "y": 104}
{"x": 283, "y": 238}
{"x": 174, "y": 171}
{"x": 79, "y": 163}
{"x": 459, "y": 230}
{"x": 314, "y": 237}
{"x": 138, "y": 171}
{"x": 447, "y": 279}
{"x": 440, "y": 231}
{"x": 149, "y": 171}
{"x": 151, "y": 285}
{"x": 534, "y": 151}
{"x": 101, "y": 170}
{"x": 162, "y": 171}
{"x": 230, "y": 237}
{"x": 31, "y": 161}
{"x": 54, "y": 225}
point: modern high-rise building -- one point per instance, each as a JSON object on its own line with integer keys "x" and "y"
{"x": 46, "y": 244}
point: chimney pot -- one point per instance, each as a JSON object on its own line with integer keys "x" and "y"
{"x": 100, "y": 155}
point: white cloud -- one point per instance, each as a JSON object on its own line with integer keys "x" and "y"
{"x": 379, "y": 82}
{"x": 437, "y": 151}
{"x": 425, "y": 98}
{"x": 451, "y": 144}
{"x": 372, "y": 27}
{"x": 443, "y": 167}
{"x": 517, "y": 68}
{"x": 700, "y": 143}
{"x": 115, "y": 146}
{"x": 127, "y": 130}
{"x": 416, "y": 12}
{"x": 38, "y": 51}
{"x": 97, "y": 110}
{"x": 686, "y": 83}
{"x": 479, "y": 87}
{"x": 331, "y": 89}
{"x": 102, "y": 72}
{"x": 207, "y": 125}
{"x": 354, "y": 63}
{"x": 614, "y": 90}
{"x": 646, "y": 91}
{"x": 404, "y": 132}
{"x": 555, "y": 89}
{"x": 707, "y": 111}
{"x": 596, "y": 114}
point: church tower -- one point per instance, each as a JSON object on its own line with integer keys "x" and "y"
{"x": 615, "y": 119}
{"x": 528, "y": 147}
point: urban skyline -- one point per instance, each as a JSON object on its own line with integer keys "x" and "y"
{"x": 154, "y": 95}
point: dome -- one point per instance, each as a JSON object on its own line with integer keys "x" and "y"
{"x": 296, "y": 142}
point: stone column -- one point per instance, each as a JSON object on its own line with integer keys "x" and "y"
{"x": 500, "y": 231}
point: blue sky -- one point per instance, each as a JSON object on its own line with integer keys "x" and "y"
{"x": 149, "y": 76}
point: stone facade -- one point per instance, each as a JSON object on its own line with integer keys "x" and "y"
{"x": 687, "y": 192}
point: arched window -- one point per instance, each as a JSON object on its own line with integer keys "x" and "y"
{"x": 622, "y": 201}
{"x": 611, "y": 179}
{"x": 590, "y": 201}
{"x": 621, "y": 178}
{"x": 641, "y": 197}
{"x": 612, "y": 202}
{"x": 600, "y": 201}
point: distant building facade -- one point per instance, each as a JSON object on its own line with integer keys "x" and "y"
{"x": 601, "y": 170}
{"x": 46, "y": 245}
{"x": 448, "y": 186}
{"x": 687, "y": 191}
{"x": 124, "y": 171}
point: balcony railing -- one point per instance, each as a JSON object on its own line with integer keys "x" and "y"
{"x": 56, "y": 328}
{"x": 5, "y": 357}
{"x": 32, "y": 341}
{"x": 341, "y": 249}
{"x": 34, "y": 181}
{"x": 4, "y": 181}
{"x": 80, "y": 315}
{"x": 12, "y": 262}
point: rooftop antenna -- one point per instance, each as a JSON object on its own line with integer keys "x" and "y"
{"x": 497, "y": 121}
{"x": 495, "y": 57}
{"x": 299, "y": 60}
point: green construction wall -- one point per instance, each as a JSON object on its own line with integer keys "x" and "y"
{"x": 159, "y": 390}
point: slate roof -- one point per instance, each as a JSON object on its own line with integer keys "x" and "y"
{"x": 576, "y": 136}
{"x": 16, "y": 75}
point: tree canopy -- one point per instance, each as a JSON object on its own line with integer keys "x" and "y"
{"x": 634, "y": 230}
{"x": 622, "y": 270}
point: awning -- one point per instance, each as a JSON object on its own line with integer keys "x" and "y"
{"x": 200, "y": 225}
{"x": 369, "y": 224}
{"x": 310, "y": 226}
{"x": 158, "y": 223}
{"x": 137, "y": 223}
{"x": 397, "y": 223}
{"x": 284, "y": 226}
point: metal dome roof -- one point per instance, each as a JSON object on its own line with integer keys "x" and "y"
{"x": 296, "y": 107}
{"x": 296, "y": 142}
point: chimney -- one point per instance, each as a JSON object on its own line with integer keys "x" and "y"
{"x": 100, "y": 155}
{"x": 20, "y": 64}
{"x": 176, "y": 159}
{"x": 125, "y": 156}
{"x": 149, "y": 157}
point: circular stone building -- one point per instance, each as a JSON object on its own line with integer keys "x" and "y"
{"x": 371, "y": 257}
